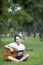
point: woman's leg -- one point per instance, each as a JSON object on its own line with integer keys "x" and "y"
{"x": 13, "y": 59}
{"x": 25, "y": 57}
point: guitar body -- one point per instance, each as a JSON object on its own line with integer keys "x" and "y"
{"x": 7, "y": 52}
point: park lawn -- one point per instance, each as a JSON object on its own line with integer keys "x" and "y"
{"x": 36, "y": 56}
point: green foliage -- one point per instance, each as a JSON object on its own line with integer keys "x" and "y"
{"x": 11, "y": 31}
{"x": 33, "y": 7}
{"x": 31, "y": 11}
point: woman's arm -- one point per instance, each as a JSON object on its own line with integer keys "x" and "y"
{"x": 7, "y": 46}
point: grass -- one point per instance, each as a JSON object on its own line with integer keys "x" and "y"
{"x": 36, "y": 56}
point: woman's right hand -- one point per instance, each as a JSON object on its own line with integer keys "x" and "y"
{"x": 11, "y": 49}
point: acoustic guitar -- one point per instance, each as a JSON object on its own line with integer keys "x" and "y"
{"x": 7, "y": 52}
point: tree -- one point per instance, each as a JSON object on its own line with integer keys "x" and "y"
{"x": 33, "y": 8}
{"x": 31, "y": 11}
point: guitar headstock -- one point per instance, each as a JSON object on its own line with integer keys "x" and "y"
{"x": 29, "y": 49}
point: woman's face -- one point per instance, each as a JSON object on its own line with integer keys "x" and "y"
{"x": 18, "y": 40}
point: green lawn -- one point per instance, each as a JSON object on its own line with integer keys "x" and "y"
{"x": 36, "y": 56}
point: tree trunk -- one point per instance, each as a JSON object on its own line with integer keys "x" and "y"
{"x": 0, "y": 37}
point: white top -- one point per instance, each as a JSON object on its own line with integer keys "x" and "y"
{"x": 18, "y": 47}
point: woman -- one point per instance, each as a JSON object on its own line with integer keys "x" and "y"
{"x": 20, "y": 47}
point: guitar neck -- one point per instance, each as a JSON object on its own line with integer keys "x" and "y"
{"x": 22, "y": 50}
{"x": 17, "y": 51}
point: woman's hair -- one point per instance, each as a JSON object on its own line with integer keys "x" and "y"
{"x": 16, "y": 36}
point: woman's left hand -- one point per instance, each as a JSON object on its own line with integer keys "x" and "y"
{"x": 20, "y": 53}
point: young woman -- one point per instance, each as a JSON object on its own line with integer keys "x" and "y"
{"x": 19, "y": 47}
